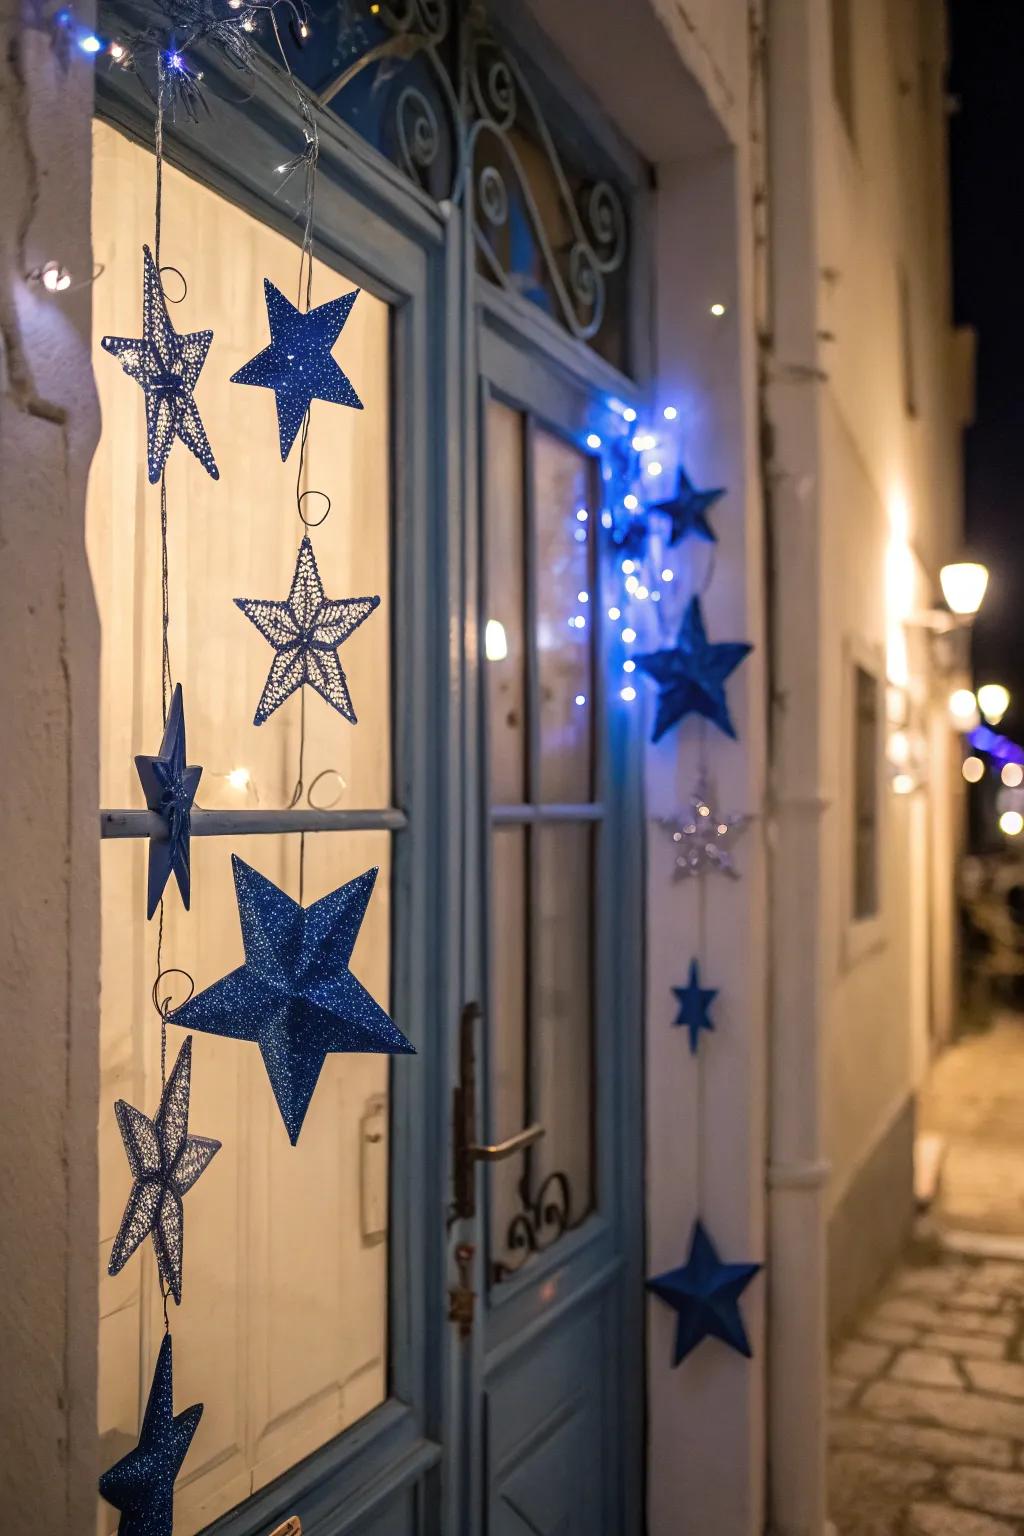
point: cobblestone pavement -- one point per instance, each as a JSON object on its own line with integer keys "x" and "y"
{"x": 973, "y": 1103}
{"x": 927, "y": 1414}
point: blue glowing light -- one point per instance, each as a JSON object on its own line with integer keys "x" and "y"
{"x": 583, "y": 597}
{"x": 670, "y": 413}
{"x": 628, "y": 693}
{"x": 629, "y": 665}
{"x": 614, "y": 613}
{"x": 668, "y": 574}
{"x": 582, "y": 514}
{"x": 629, "y": 414}
{"x": 174, "y": 61}
{"x": 630, "y": 502}
{"x": 628, "y": 635}
{"x": 593, "y": 441}
{"x": 606, "y": 519}
{"x": 628, "y": 567}
{"x": 580, "y": 535}
{"x": 90, "y": 43}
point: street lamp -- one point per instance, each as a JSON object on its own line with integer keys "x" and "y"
{"x": 993, "y": 701}
{"x": 963, "y": 586}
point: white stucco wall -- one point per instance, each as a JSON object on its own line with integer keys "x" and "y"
{"x": 49, "y": 892}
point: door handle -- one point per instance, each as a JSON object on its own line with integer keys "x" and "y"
{"x": 508, "y": 1148}
{"x": 466, "y": 1150}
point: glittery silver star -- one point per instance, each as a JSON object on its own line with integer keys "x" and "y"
{"x": 167, "y": 367}
{"x": 306, "y": 631}
{"x": 703, "y": 836}
{"x": 165, "y": 1162}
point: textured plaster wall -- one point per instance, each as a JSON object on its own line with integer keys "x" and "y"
{"x": 48, "y": 787}
{"x": 888, "y": 479}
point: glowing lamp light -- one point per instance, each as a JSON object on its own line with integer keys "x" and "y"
{"x": 593, "y": 441}
{"x": 629, "y": 694}
{"x": 238, "y": 778}
{"x": 654, "y": 468}
{"x": 629, "y": 635}
{"x": 668, "y": 574}
{"x": 643, "y": 441}
{"x": 582, "y": 514}
{"x": 899, "y": 748}
{"x": 90, "y": 43}
{"x": 963, "y": 586}
{"x": 1012, "y": 823}
{"x": 1012, "y": 775}
{"x": 630, "y": 502}
{"x": 718, "y": 310}
{"x": 581, "y": 698}
{"x": 903, "y": 784}
{"x": 606, "y": 519}
{"x": 583, "y": 597}
{"x": 963, "y": 707}
{"x": 495, "y": 640}
{"x": 629, "y": 665}
{"x": 670, "y": 413}
{"x": 628, "y": 413}
{"x": 993, "y": 701}
{"x": 303, "y": 30}
{"x": 117, "y": 52}
{"x": 614, "y": 613}
{"x": 631, "y": 583}
{"x": 54, "y": 277}
{"x": 174, "y": 61}
{"x": 627, "y": 567}
{"x": 973, "y": 770}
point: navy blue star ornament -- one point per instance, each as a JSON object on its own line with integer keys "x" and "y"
{"x": 704, "y": 1293}
{"x": 687, "y": 510}
{"x": 165, "y": 1162}
{"x": 295, "y": 996}
{"x": 694, "y": 1002}
{"x": 167, "y": 367}
{"x": 298, "y": 365}
{"x": 141, "y": 1484}
{"x": 170, "y": 785}
{"x": 306, "y": 631}
{"x": 691, "y": 675}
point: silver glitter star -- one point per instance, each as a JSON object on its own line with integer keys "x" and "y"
{"x": 703, "y": 836}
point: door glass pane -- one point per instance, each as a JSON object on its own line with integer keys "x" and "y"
{"x": 565, "y": 615}
{"x": 507, "y": 1019}
{"x": 563, "y": 1032}
{"x": 282, "y": 1331}
{"x": 237, "y": 536}
{"x": 504, "y": 650}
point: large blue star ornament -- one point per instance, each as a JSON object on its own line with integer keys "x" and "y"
{"x": 687, "y": 510}
{"x": 165, "y": 1162}
{"x": 167, "y": 366}
{"x": 306, "y": 631}
{"x": 141, "y": 1484}
{"x": 704, "y": 1293}
{"x": 169, "y": 785}
{"x": 691, "y": 675}
{"x": 694, "y": 1002}
{"x": 295, "y": 996}
{"x": 298, "y": 365}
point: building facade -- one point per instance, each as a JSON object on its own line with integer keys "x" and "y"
{"x": 720, "y": 228}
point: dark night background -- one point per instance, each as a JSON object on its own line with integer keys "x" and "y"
{"x": 986, "y": 82}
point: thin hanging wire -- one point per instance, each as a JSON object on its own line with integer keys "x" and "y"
{"x": 702, "y": 771}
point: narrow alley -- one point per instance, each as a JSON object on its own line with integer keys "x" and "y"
{"x": 927, "y": 1392}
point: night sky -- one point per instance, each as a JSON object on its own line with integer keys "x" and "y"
{"x": 986, "y": 83}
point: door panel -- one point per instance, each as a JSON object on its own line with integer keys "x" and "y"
{"x": 547, "y": 1438}
{"x": 560, "y": 1349}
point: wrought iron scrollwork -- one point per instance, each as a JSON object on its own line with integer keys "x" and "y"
{"x": 544, "y": 1218}
{"x": 468, "y": 113}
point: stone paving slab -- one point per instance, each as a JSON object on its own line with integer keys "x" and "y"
{"x": 927, "y": 1412}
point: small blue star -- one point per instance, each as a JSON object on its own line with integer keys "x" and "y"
{"x": 687, "y": 508}
{"x": 691, "y": 675}
{"x": 170, "y": 788}
{"x": 306, "y": 631}
{"x": 167, "y": 366}
{"x": 295, "y": 996}
{"x": 705, "y": 1294}
{"x": 141, "y": 1484}
{"x": 298, "y": 365}
{"x": 694, "y": 1002}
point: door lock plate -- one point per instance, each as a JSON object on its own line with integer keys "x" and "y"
{"x": 462, "y": 1297}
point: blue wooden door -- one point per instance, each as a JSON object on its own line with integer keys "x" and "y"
{"x": 547, "y": 1136}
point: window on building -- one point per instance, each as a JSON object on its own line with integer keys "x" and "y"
{"x": 842, "y": 62}
{"x": 865, "y": 793}
{"x": 907, "y": 344}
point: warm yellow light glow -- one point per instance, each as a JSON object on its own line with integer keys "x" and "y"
{"x": 495, "y": 640}
{"x": 1012, "y": 775}
{"x": 903, "y": 784}
{"x": 963, "y": 707}
{"x": 238, "y": 778}
{"x": 718, "y": 309}
{"x": 973, "y": 769}
{"x": 1012, "y": 823}
{"x": 993, "y": 701}
{"x": 963, "y": 585}
{"x": 899, "y": 748}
